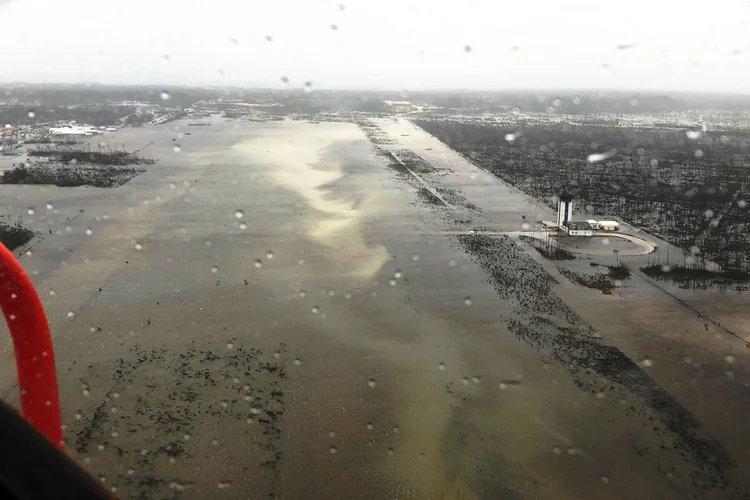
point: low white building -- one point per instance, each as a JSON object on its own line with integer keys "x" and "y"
{"x": 578, "y": 228}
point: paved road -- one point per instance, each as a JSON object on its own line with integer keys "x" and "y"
{"x": 272, "y": 312}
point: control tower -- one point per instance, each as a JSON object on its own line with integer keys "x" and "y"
{"x": 564, "y": 209}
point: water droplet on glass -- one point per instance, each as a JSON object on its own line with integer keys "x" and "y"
{"x": 342, "y": 6}
{"x": 332, "y": 450}
{"x": 177, "y": 148}
{"x": 220, "y": 72}
{"x": 634, "y": 102}
{"x": 284, "y": 81}
{"x": 441, "y": 366}
{"x": 30, "y": 211}
{"x": 269, "y": 255}
{"x": 694, "y": 134}
{"x": 371, "y": 383}
{"x": 742, "y": 203}
{"x": 392, "y": 282}
{"x": 239, "y": 214}
{"x": 467, "y": 48}
{"x": 258, "y": 263}
{"x": 729, "y": 359}
{"x": 510, "y": 137}
{"x": 268, "y": 38}
{"x": 71, "y": 314}
{"x": 307, "y": 86}
{"x": 467, "y": 301}
{"x": 89, "y": 232}
{"x": 101, "y": 448}
{"x": 297, "y": 361}
{"x": 415, "y": 257}
{"x": 709, "y": 214}
{"x": 214, "y": 269}
{"x": 315, "y": 310}
{"x": 138, "y": 246}
{"x": 647, "y": 363}
{"x": 165, "y": 95}
{"x": 698, "y": 153}
{"x": 334, "y": 27}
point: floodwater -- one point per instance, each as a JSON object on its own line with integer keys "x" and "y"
{"x": 271, "y": 312}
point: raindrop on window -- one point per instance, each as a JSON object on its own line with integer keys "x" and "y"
{"x": 239, "y": 214}
{"x": 467, "y": 301}
{"x": 332, "y": 450}
{"x": 709, "y": 214}
{"x": 576, "y": 100}
{"x": 165, "y": 95}
{"x": 307, "y": 86}
{"x": 510, "y": 137}
{"x": 258, "y": 263}
{"x": 369, "y": 426}
{"x": 342, "y": 6}
{"x": 71, "y": 314}
{"x": 647, "y": 363}
{"x": 729, "y": 359}
{"x": 297, "y": 361}
{"x": 441, "y": 366}
{"x": 315, "y": 310}
{"x": 694, "y": 134}
{"x": 30, "y": 211}
{"x": 234, "y": 41}
{"x": 31, "y": 114}
{"x": 268, "y": 38}
{"x": 89, "y": 232}
{"x": 334, "y": 27}
{"x": 415, "y": 257}
{"x": 371, "y": 383}
{"x": 698, "y": 153}
{"x": 243, "y": 226}
{"x": 392, "y": 282}
{"x": 302, "y": 293}
{"x": 467, "y": 48}
{"x": 397, "y": 274}
{"x": 220, "y": 72}
{"x": 634, "y": 102}
{"x": 654, "y": 162}
{"x": 214, "y": 269}
{"x": 138, "y": 246}
{"x": 742, "y": 203}
{"x": 348, "y": 295}
{"x": 284, "y": 81}
{"x": 269, "y": 255}
{"x": 177, "y": 148}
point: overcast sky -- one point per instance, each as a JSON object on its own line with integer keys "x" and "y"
{"x": 396, "y": 44}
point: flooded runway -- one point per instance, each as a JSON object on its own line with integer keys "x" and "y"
{"x": 274, "y": 312}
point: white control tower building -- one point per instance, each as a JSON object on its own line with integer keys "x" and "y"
{"x": 564, "y": 209}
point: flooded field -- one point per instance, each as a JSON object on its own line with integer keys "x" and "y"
{"x": 340, "y": 310}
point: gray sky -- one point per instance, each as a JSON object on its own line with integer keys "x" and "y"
{"x": 398, "y": 44}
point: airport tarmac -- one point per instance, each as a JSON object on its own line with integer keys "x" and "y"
{"x": 271, "y": 312}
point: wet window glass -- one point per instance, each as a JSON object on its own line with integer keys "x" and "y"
{"x": 377, "y": 249}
